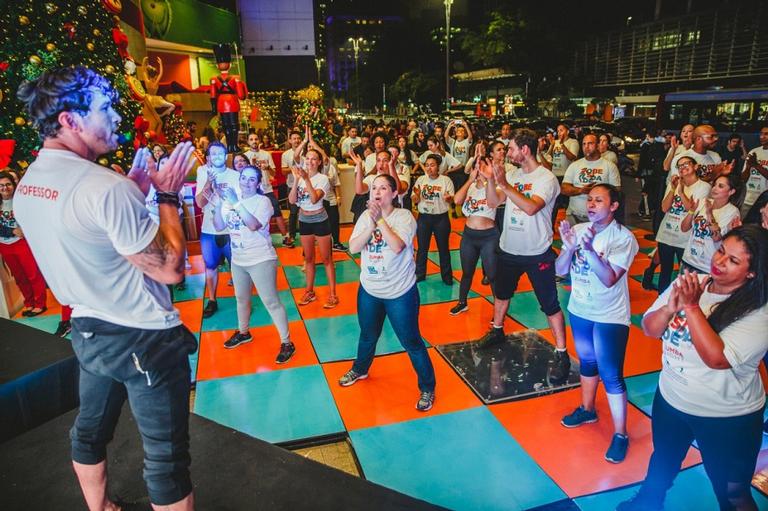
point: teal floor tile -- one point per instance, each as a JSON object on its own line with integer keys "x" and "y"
{"x": 432, "y": 290}
{"x": 194, "y": 288}
{"x": 647, "y": 250}
{"x": 455, "y": 259}
{"x": 464, "y": 461}
{"x": 346, "y": 271}
{"x": 692, "y": 491}
{"x": 336, "y": 338}
{"x": 641, "y": 389}
{"x": 47, "y": 323}
{"x": 226, "y": 317}
{"x": 275, "y": 406}
{"x": 637, "y": 320}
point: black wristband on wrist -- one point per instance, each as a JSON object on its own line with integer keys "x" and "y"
{"x": 168, "y": 198}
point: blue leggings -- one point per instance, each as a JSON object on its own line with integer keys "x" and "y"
{"x": 601, "y": 348}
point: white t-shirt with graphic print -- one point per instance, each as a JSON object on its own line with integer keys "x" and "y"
{"x": 693, "y": 388}
{"x": 669, "y": 230}
{"x": 583, "y": 173}
{"x": 701, "y": 247}
{"x": 590, "y": 298}
{"x": 756, "y": 184}
{"x": 384, "y": 273}
{"x": 319, "y": 182}
{"x": 431, "y": 194}
{"x": 476, "y": 203}
{"x": 250, "y": 247}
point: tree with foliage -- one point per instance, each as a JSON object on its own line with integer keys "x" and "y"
{"x": 35, "y": 36}
{"x": 310, "y": 112}
{"x": 414, "y": 86}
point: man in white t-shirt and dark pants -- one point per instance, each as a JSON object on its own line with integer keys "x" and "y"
{"x": 263, "y": 160}
{"x": 562, "y": 152}
{"x": 582, "y": 175}
{"x": 755, "y": 172}
{"x": 286, "y": 163}
{"x": 100, "y": 252}
{"x": 526, "y": 242}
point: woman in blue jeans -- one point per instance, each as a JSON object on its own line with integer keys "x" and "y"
{"x": 597, "y": 255}
{"x": 712, "y": 329}
{"x": 384, "y": 237}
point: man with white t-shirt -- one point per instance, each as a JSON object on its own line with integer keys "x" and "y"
{"x": 214, "y": 244}
{"x": 351, "y": 141}
{"x": 263, "y": 160}
{"x": 708, "y": 162}
{"x": 755, "y": 172}
{"x": 562, "y": 152}
{"x": 526, "y": 243}
{"x": 582, "y": 175}
{"x": 287, "y": 161}
{"x": 100, "y": 252}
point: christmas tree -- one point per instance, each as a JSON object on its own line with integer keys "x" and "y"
{"x": 36, "y": 36}
{"x": 310, "y": 112}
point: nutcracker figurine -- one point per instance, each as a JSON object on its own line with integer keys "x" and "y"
{"x": 226, "y": 93}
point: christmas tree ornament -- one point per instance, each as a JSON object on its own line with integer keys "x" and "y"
{"x": 35, "y": 60}
{"x": 90, "y": 46}
{"x": 50, "y": 46}
{"x": 23, "y": 20}
{"x": 96, "y": 32}
{"x": 69, "y": 29}
{"x": 113, "y": 6}
{"x": 19, "y": 121}
{"x": 109, "y": 68}
{"x": 82, "y": 10}
{"x": 51, "y": 8}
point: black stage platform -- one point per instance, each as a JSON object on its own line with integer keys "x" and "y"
{"x": 230, "y": 471}
{"x": 517, "y": 369}
{"x": 38, "y": 378}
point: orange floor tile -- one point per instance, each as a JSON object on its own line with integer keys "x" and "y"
{"x": 535, "y": 424}
{"x": 197, "y": 263}
{"x": 257, "y": 356}
{"x": 224, "y": 289}
{"x": 191, "y": 313}
{"x": 389, "y": 394}
{"x": 439, "y": 327}
{"x": 346, "y": 292}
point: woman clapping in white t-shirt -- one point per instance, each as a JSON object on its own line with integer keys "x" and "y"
{"x": 384, "y": 238}
{"x": 253, "y": 257}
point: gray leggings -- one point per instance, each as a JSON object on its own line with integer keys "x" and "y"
{"x": 264, "y": 277}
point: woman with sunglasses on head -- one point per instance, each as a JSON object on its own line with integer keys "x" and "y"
{"x": 596, "y": 254}
{"x": 384, "y": 237}
{"x": 708, "y": 221}
{"x": 254, "y": 260}
{"x": 309, "y": 187}
{"x": 712, "y": 329}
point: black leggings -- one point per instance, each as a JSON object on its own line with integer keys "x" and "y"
{"x": 476, "y": 244}
{"x": 667, "y": 254}
{"x": 729, "y": 447}
{"x": 440, "y": 225}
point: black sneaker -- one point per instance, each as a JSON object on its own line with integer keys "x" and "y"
{"x": 288, "y": 242}
{"x": 63, "y": 329}
{"x": 561, "y": 366}
{"x": 459, "y": 308}
{"x": 338, "y": 247}
{"x": 425, "y": 402}
{"x": 647, "y": 282}
{"x": 237, "y": 339}
{"x": 618, "y": 449}
{"x": 210, "y": 308}
{"x": 641, "y": 502}
{"x": 492, "y": 338}
{"x": 579, "y": 417}
{"x": 286, "y": 352}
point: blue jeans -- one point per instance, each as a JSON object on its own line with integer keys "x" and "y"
{"x": 601, "y": 348}
{"x": 151, "y": 369}
{"x": 403, "y": 313}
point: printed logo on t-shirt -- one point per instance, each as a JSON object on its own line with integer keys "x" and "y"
{"x": 580, "y": 265}
{"x": 302, "y": 196}
{"x": 376, "y": 243}
{"x": 701, "y": 227}
{"x": 431, "y": 192}
{"x": 7, "y": 219}
{"x": 677, "y": 205}
{"x": 589, "y": 175}
{"x": 472, "y": 206}
{"x": 705, "y": 169}
{"x": 524, "y": 188}
{"x": 234, "y": 222}
{"x": 677, "y": 332}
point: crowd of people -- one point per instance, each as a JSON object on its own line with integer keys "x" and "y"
{"x": 410, "y": 180}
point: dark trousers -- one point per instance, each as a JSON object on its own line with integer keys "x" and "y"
{"x": 333, "y": 218}
{"x": 149, "y": 368}
{"x": 440, "y": 226}
{"x": 667, "y": 254}
{"x": 476, "y": 244}
{"x": 403, "y": 313}
{"x": 729, "y": 447}
{"x": 293, "y": 220}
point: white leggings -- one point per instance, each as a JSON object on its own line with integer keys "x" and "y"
{"x": 264, "y": 277}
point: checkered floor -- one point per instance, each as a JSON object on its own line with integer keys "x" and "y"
{"x": 461, "y": 455}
